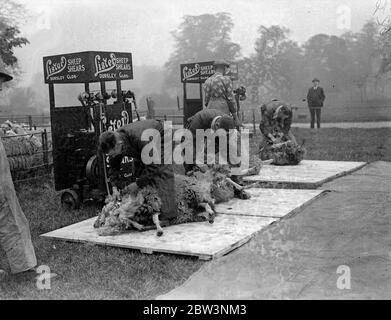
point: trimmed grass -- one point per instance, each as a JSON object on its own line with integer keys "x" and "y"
{"x": 354, "y": 144}
{"x": 95, "y": 272}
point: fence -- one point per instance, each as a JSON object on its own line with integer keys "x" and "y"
{"x": 29, "y": 155}
{"x": 28, "y": 121}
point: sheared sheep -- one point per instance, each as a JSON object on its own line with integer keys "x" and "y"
{"x": 195, "y": 198}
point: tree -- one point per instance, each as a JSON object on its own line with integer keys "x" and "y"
{"x": 326, "y": 57}
{"x": 10, "y": 14}
{"x": 271, "y": 71}
{"x": 364, "y": 55}
{"x": 9, "y": 40}
{"x": 200, "y": 38}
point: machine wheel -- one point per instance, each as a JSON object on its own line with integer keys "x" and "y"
{"x": 70, "y": 200}
{"x": 92, "y": 170}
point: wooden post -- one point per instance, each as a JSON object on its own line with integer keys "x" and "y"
{"x": 45, "y": 148}
{"x": 119, "y": 91}
{"x": 53, "y": 131}
{"x": 254, "y": 127}
{"x": 51, "y": 96}
{"x": 184, "y": 96}
{"x": 103, "y": 88}
{"x": 151, "y": 108}
{"x": 30, "y": 122}
{"x": 201, "y": 97}
{"x": 87, "y": 111}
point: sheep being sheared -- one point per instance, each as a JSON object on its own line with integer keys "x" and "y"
{"x": 195, "y": 198}
{"x": 127, "y": 214}
{"x": 284, "y": 153}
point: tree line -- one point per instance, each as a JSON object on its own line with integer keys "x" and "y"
{"x": 354, "y": 66}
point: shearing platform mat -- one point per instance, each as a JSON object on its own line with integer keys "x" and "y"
{"x": 308, "y": 174}
{"x": 236, "y": 222}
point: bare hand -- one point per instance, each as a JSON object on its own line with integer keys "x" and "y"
{"x": 116, "y": 196}
{"x": 132, "y": 188}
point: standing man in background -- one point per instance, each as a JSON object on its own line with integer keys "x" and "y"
{"x": 15, "y": 238}
{"x": 219, "y": 91}
{"x": 315, "y": 99}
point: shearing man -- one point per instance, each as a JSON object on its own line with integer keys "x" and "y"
{"x": 219, "y": 93}
{"x": 128, "y": 141}
{"x": 277, "y": 141}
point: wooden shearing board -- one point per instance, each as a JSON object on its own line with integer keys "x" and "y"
{"x": 308, "y": 174}
{"x": 272, "y": 203}
{"x": 203, "y": 240}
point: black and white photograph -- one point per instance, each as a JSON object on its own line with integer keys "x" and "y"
{"x": 195, "y": 156}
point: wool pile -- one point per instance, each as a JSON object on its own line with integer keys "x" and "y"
{"x": 116, "y": 216}
{"x": 283, "y": 153}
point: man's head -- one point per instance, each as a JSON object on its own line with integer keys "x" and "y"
{"x": 283, "y": 115}
{"x": 315, "y": 82}
{"x": 224, "y": 122}
{"x": 110, "y": 143}
{"x": 221, "y": 66}
{"x": 4, "y": 76}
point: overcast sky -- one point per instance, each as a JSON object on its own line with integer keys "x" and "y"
{"x": 143, "y": 26}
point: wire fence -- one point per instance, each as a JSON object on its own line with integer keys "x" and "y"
{"x": 29, "y": 155}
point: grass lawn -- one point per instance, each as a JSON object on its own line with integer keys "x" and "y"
{"x": 95, "y": 272}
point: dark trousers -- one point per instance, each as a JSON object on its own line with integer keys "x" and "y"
{"x": 315, "y": 112}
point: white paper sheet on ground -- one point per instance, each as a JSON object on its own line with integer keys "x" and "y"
{"x": 275, "y": 203}
{"x": 308, "y": 172}
{"x": 202, "y": 239}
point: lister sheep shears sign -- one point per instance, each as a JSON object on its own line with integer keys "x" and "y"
{"x": 198, "y": 72}
{"x": 89, "y": 66}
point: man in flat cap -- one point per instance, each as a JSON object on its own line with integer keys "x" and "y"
{"x": 315, "y": 99}
{"x": 219, "y": 91}
{"x": 128, "y": 141}
{"x": 15, "y": 238}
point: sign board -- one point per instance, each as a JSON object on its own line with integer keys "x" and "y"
{"x": 88, "y": 66}
{"x": 198, "y": 72}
